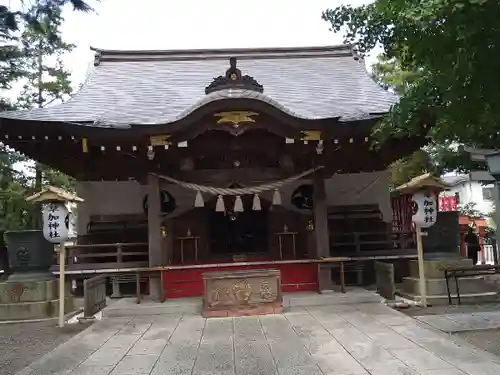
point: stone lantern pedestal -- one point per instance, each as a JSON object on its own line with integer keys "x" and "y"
{"x": 31, "y": 291}
{"x": 30, "y": 256}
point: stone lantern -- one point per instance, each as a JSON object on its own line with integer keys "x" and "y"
{"x": 31, "y": 291}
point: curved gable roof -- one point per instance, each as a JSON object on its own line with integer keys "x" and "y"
{"x": 157, "y": 87}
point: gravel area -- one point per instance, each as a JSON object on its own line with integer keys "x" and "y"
{"x": 23, "y": 343}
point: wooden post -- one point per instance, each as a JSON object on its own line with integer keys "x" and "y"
{"x": 62, "y": 289}
{"x": 421, "y": 270}
{"x": 168, "y": 243}
{"x": 154, "y": 234}
{"x": 321, "y": 232}
{"x": 119, "y": 255}
{"x": 321, "y": 216}
{"x": 154, "y": 220}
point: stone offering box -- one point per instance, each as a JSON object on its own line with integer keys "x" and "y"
{"x": 242, "y": 293}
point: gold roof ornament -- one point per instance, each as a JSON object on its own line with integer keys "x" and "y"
{"x": 160, "y": 140}
{"x": 235, "y": 118}
{"x": 311, "y": 135}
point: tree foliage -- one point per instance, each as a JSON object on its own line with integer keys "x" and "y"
{"x": 436, "y": 158}
{"x": 45, "y": 79}
{"x": 31, "y": 48}
{"x": 470, "y": 210}
{"x": 32, "y": 15}
{"x": 455, "y": 47}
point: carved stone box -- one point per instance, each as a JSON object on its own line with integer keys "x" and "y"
{"x": 241, "y": 293}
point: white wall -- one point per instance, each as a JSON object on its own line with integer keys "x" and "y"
{"x": 108, "y": 198}
{"x": 126, "y": 197}
{"x": 472, "y": 192}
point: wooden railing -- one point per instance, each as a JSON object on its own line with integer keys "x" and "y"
{"x": 108, "y": 255}
{"x": 371, "y": 243}
{"x": 94, "y": 295}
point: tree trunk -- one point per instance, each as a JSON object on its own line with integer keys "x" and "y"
{"x": 37, "y": 218}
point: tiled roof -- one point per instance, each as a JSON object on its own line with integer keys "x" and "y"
{"x": 158, "y": 87}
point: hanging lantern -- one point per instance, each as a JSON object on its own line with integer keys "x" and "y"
{"x": 424, "y": 209}
{"x": 256, "y": 203}
{"x": 56, "y": 220}
{"x": 238, "y": 204}
{"x": 198, "y": 201}
{"x": 276, "y": 197}
{"x": 150, "y": 153}
{"x": 219, "y": 206}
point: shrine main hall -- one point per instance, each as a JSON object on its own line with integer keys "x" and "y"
{"x": 191, "y": 161}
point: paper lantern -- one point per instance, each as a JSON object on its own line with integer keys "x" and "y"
{"x": 56, "y": 222}
{"x": 424, "y": 209}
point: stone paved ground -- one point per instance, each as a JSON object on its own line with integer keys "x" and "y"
{"x": 488, "y": 340}
{"x": 460, "y": 322}
{"x": 453, "y": 309}
{"x": 344, "y": 340}
{"x": 479, "y": 325}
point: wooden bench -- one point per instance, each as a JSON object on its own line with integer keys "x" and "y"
{"x": 459, "y": 272}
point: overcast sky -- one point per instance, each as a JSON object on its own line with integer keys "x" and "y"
{"x": 182, "y": 24}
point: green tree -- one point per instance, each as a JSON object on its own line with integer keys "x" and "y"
{"x": 436, "y": 158}
{"x": 40, "y": 19}
{"x": 454, "y": 45}
{"x": 469, "y": 210}
{"x": 404, "y": 169}
{"x": 391, "y": 76}
{"x": 31, "y": 14}
{"x": 46, "y": 81}
{"x": 15, "y": 212}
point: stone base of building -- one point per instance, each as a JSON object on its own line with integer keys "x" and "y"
{"x": 31, "y": 300}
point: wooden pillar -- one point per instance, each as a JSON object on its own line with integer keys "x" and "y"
{"x": 321, "y": 232}
{"x": 154, "y": 234}
{"x": 154, "y": 221}
{"x": 320, "y": 216}
{"x": 167, "y": 248}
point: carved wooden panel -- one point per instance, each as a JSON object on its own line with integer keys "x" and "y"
{"x": 247, "y": 291}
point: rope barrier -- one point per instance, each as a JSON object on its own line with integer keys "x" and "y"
{"x": 239, "y": 191}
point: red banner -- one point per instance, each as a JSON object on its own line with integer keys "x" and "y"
{"x": 447, "y": 203}
{"x": 401, "y": 214}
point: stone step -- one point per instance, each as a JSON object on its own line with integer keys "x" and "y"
{"x": 471, "y": 298}
{"x": 434, "y": 268}
{"x": 467, "y": 285}
{"x": 193, "y": 305}
{"x": 129, "y": 307}
{"x": 34, "y": 310}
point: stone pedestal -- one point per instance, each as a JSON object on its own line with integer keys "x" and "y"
{"x": 473, "y": 289}
{"x": 242, "y": 293}
{"x": 31, "y": 300}
{"x": 30, "y": 256}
